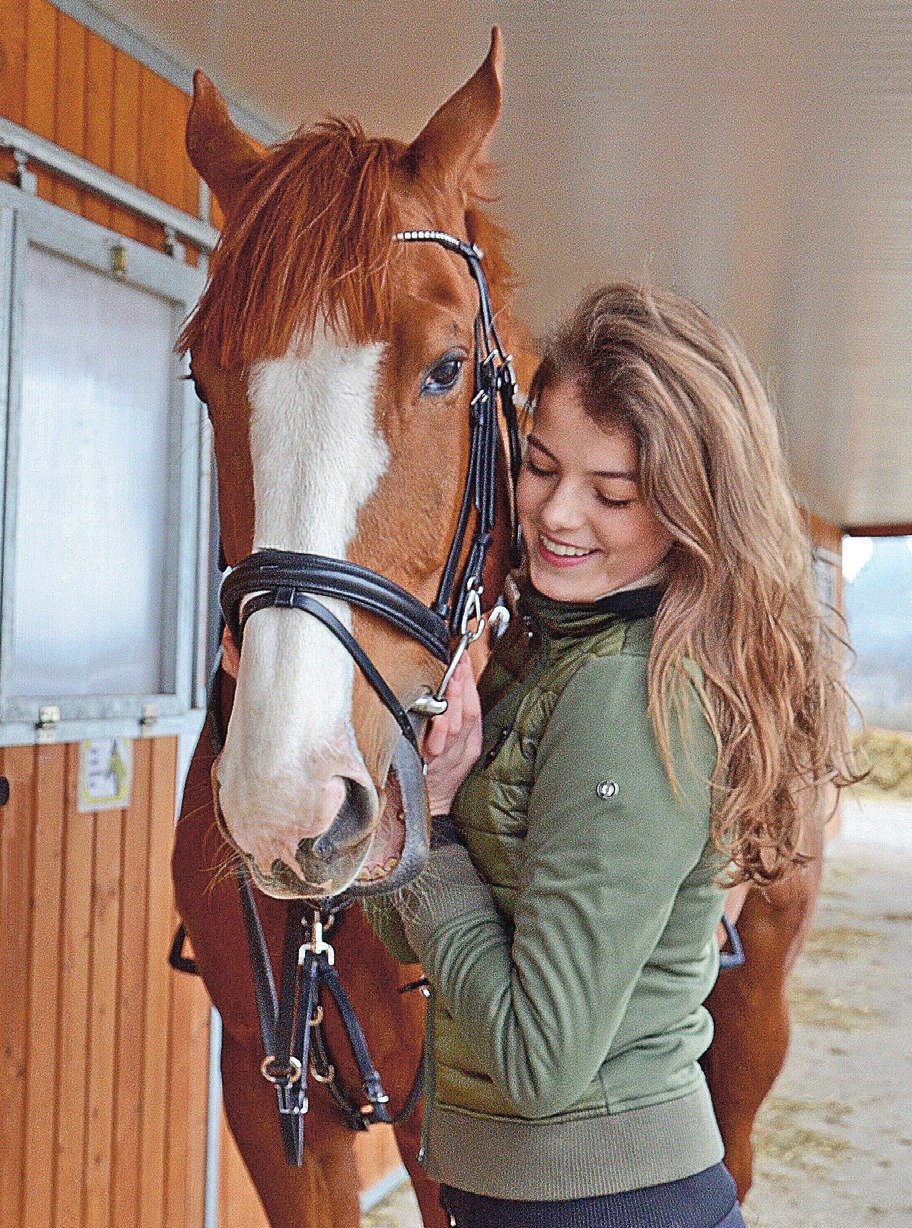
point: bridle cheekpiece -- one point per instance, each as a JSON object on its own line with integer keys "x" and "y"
{"x": 285, "y": 579}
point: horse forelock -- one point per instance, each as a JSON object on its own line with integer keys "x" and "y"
{"x": 309, "y": 244}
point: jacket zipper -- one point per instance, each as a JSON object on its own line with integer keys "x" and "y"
{"x": 428, "y": 1076}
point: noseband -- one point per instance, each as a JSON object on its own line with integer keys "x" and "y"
{"x": 286, "y": 579}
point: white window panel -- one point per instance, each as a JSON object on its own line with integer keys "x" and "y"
{"x": 91, "y": 546}
{"x": 105, "y": 477}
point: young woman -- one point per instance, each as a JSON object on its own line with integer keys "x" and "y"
{"x": 660, "y": 716}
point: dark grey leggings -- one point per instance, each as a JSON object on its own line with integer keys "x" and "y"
{"x": 705, "y": 1200}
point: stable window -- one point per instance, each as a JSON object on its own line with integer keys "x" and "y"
{"x": 105, "y": 483}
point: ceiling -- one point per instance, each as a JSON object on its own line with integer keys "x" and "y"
{"x": 753, "y": 155}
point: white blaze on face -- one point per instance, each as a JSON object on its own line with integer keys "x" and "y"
{"x": 316, "y": 458}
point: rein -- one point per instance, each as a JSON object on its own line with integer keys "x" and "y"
{"x": 291, "y": 1021}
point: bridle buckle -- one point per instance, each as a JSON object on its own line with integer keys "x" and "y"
{"x": 468, "y": 634}
{"x": 315, "y": 943}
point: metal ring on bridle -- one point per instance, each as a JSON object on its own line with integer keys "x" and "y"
{"x": 288, "y": 1072}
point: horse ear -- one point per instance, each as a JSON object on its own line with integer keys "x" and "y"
{"x": 223, "y": 155}
{"x": 455, "y": 137}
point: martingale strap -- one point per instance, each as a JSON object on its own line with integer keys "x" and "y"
{"x": 291, "y": 1024}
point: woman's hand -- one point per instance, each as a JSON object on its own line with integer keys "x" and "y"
{"x": 452, "y": 743}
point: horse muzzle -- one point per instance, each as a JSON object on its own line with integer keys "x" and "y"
{"x": 365, "y": 843}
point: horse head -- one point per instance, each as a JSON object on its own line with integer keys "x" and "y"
{"x": 337, "y": 366}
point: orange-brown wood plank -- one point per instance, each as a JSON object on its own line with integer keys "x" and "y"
{"x": 198, "y": 1114}
{"x": 48, "y": 816}
{"x": 156, "y": 1030}
{"x": 163, "y": 119}
{"x": 75, "y": 939}
{"x": 98, "y": 119}
{"x": 125, "y": 143}
{"x": 106, "y": 904}
{"x": 128, "y": 1093}
{"x": 41, "y": 78}
{"x": 152, "y": 153}
{"x": 187, "y": 1096}
{"x": 69, "y": 108}
{"x": 15, "y": 880}
{"x": 12, "y": 59}
{"x": 40, "y": 68}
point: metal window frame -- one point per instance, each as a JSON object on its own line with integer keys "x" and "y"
{"x": 26, "y": 219}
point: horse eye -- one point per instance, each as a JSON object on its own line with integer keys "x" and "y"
{"x": 443, "y": 376}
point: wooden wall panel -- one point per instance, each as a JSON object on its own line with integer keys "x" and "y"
{"x": 70, "y": 103}
{"x": 99, "y": 100}
{"x": 16, "y": 842}
{"x": 78, "y": 846}
{"x": 12, "y": 59}
{"x": 187, "y": 1100}
{"x": 105, "y": 920}
{"x": 65, "y": 83}
{"x": 155, "y": 1028}
{"x": 131, "y": 997}
{"x": 41, "y": 777}
{"x": 105, "y": 1049}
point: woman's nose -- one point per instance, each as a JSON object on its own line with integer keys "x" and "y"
{"x": 561, "y": 510}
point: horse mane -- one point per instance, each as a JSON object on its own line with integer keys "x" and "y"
{"x": 309, "y": 240}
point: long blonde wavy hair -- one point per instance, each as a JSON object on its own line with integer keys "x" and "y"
{"x": 740, "y": 599}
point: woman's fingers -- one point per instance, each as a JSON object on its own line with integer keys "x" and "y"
{"x": 453, "y": 740}
{"x": 463, "y": 710}
{"x": 435, "y": 738}
{"x": 454, "y": 694}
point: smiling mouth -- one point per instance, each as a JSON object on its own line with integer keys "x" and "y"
{"x": 551, "y": 549}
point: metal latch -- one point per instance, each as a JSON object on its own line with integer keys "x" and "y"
{"x": 148, "y": 718}
{"x": 46, "y": 725}
{"x": 26, "y": 179}
{"x": 119, "y": 261}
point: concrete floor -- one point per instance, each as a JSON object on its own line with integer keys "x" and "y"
{"x": 834, "y": 1139}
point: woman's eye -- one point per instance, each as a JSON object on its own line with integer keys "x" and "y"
{"x": 537, "y": 470}
{"x": 606, "y": 502}
{"x": 443, "y": 376}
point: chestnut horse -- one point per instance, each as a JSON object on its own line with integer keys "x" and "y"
{"x": 336, "y": 366}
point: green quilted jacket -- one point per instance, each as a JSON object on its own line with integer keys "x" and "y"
{"x": 571, "y": 941}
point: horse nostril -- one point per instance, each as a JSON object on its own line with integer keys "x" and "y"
{"x": 352, "y": 820}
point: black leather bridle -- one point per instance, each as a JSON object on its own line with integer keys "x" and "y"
{"x": 286, "y": 579}
{"x": 291, "y": 1020}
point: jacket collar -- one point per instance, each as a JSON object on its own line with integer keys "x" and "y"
{"x": 583, "y": 618}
